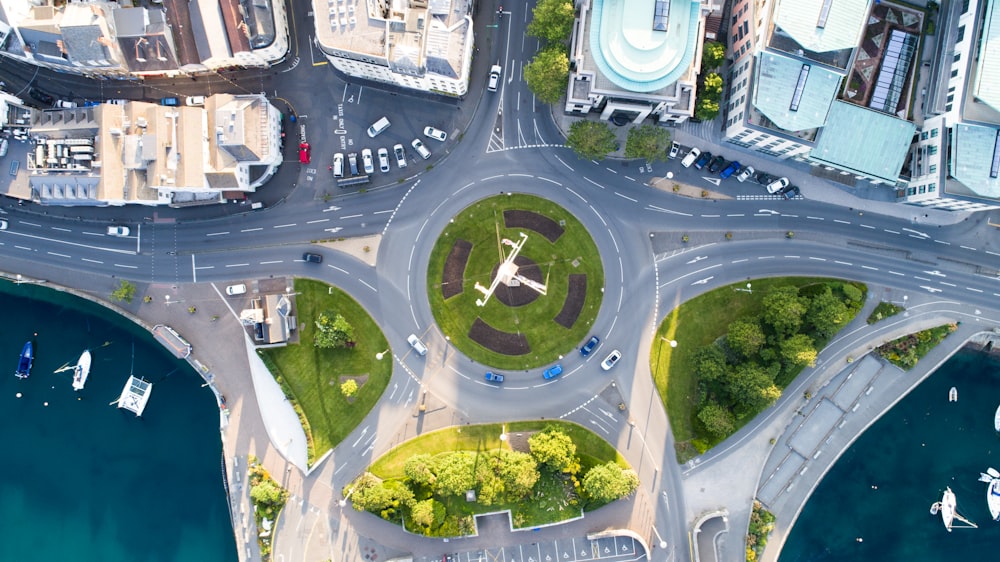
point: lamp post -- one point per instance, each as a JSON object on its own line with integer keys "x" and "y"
{"x": 747, "y": 290}
{"x": 380, "y": 355}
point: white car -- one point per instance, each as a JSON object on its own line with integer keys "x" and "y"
{"x": 195, "y": 101}
{"x": 400, "y": 154}
{"x": 494, "y": 78}
{"x": 237, "y": 289}
{"x": 3, "y": 224}
{"x": 383, "y": 160}
{"x": 118, "y": 231}
{"x": 436, "y": 134}
{"x": 338, "y": 165}
{"x": 745, "y": 174}
{"x": 690, "y": 158}
{"x": 66, "y": 104}
{"x": 417, "y": 345}
{"x": 610, "y": 360}
{"x": 675, "y": 149}
{"x": 421, "y": 149}
{"x": 366, "y": 158}
{"x": 777, "y": 185}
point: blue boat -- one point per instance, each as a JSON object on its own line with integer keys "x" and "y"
{"x": 24, "y": 365}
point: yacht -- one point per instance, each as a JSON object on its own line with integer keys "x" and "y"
{"x": 24, "y": 363}
{"x": 992, "y": 477}
{"x": 81, "y": 371}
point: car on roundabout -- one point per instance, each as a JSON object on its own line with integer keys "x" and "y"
{"x": 494, "y": 377}
{"x": 552, "y": 372}
{"x": 611, "y": 360}
{"x": 590, "y": 345}
{"x": 310, "y": 257}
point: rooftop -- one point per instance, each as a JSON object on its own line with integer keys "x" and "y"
{"x": 794, "y": 94}
{"x": 987, "y": 82}
{"x": 974, "y": 152}
{"x": 864, "y": 141}
{"x": 822, "y": 25}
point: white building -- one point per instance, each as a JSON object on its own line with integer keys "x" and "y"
{"x": 417, "y": 44}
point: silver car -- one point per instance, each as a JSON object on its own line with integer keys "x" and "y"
{"x": 383, "y": 160}
{"x": 369, "y": 163}
{"x": 400, "y": 154}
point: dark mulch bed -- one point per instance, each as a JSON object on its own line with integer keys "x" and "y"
{"x": 498, "y": 341}
{"x": 531, "y": 220}
{"x": 520, "y": 295}
{"x": 454, "y": 269}
{"x": 575, "y": 297}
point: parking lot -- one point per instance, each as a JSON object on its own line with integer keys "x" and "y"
{"x": 612, "y": 549}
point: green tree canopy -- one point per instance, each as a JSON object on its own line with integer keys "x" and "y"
{"x": 267, "y": 493}
{"x": 712, "y": 87}
{"x": 608, "y": 482}
{"x": 826, "y": 314}
{"x": 706, "y": 109}
{"x": 592, "y": 140}
{"x": 784, "y": 309}
{"x": 648, "y": 142}
{"x": 553, "y": 448}
{"x": 710, "y": 364}
{"x": 422, "y": 513}
{"x": 455, "y": 474}
{"x": 547, "y": 74}
{"x": 751, "y": 388}
{"x": 745, "y": 336}
{"x": 125, "y": 292}
{"x": 420, "y": 469}
{"x": 717, "y": 420}
{"x": 712, "y": 55}
{"x": 552, "y": 20}
{"x": 798, "y": 351}
{"x": 332, "y": 331}
{"x": 371, "y": 494}
{"x": 519, "y": 472}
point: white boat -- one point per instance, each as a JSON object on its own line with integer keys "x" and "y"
{"x": 948, "y": 509}
{"x": 953, "y": 395}
{"x": 135, "y": 395}
{"x": 81, "y": 371}
{"x": 996, "y": 419}
{"x": 993, "y": 498}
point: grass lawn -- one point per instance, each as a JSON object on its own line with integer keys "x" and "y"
{"x": 312, "y": 376}
{"x": 698, "y": 323}
{"x": 573, "y": 253}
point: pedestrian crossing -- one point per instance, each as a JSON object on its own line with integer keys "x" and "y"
{"x": 766, "y": 197}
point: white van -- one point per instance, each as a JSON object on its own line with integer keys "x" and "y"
{"x": 378, "y": 126}
{"x": 338, "y": 165}
{"x": 690, "y": 158}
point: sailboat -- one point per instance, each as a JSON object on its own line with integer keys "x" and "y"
{"x": 950, "y": 516}
{"x": 992, "y": 477}
{"x": 24, "y": 363}
{"x": 81, "y": 371}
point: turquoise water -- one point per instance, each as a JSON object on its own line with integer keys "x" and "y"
{"x": 917, "y": 449}
{"x": 82, "y": 480}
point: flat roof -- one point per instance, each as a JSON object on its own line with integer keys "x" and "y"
{"x": 864, "y": 141}
{"x": 972, "y": 148}
{"x": 633, "y": 55}
{"x": 840, "y": 29}
{"x": 987, "y": 85}
{"x": 778, "y": 78}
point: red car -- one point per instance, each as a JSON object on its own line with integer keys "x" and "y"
{"x": 304, "y": 152}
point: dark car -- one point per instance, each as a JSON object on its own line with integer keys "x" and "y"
{"x": 312, "y": 258}
{"x": 702, "y": 160}
{"x": 717, "y": 164}
{"x": 552, "y": 372}
{"x": 732, "y": 168}
{"x": 590, "y": 345}
{"x": 170, "y": 102}
{"x": 41, "y": 96}
{"x": 764, "y": 178}
{"x": 494, "y": 377}
{"x": 790, "y": 191}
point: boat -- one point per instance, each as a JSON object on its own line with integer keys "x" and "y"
{"x": 996, "y": 419}
{"x": 135, "y": 395}
{"x": 24, "y": 364}
{"x": 81, "y": 371}
{"x": 953, "y": 395}
{"x": 992, "y": 477}
{"x": 950, "y": 516}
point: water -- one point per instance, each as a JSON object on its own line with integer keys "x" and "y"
{"x": 81, "y": 480}
{"x": 917, "y": 449}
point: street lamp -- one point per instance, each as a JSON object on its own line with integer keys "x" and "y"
{"x": 747, "y": 290}
{"x": 381, "y": 354}
{"x": 673, "y": 343}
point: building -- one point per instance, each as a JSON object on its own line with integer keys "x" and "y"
{"x": 168, "y": 38}
{"x": 142, "y": 153}
{"x": 271, "y": 319}
{"x": 954, "y": 161}
{"x": 423, "y": 45}
{"x": 636, "y": 64}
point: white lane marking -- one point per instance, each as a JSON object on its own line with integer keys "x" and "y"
{"x": 765, "y": 257}
{"x": 841, "y": 222}
{"x": 61, "y": 229}
{"x": 561, "y": 161}
{"x": 869, "y": 267}
{"x": 217, "y": 233}
{"x": 629, "y": 178}
{"x": 317, "y": 221}
{"x": 947, "y": 283}
{"x": 921, "y": 278}
{"x": 22, "y": 247}
{"x": 554, "y": 182}
{"x": 270, "y": 262}
{"x": 967, "y": 248}
{"x": 814, "y": 218}
{"x": 792, "y": 257}
{"x": 662, "y": 210}
{"x": 842, "y": 262}
{"x": 383, "y": 212}
{"x": 283, "y": 225}
{"x": 943, "y": 242}
{"x": 917, "y": 232}
{"x": 594, "y": 182}
{"x": 94, "y": 233}
{"x": 598, "y": 214}
{"x": 128, "y": 266}
{"x": 251, "y": 229}
{"x": 334, "y": 208}
{"x": 896, "y": 273}
{"x": 867, "y": 226}
{"x": 736, "y": 215}
{"x": 973, "y": 289}
{"x": 889, "y": 231}
{"x": 350, "y": 217}
{"x": 786, "y": 215}
{"x": 740, "y": 261}
{"x": 237, "y": 265}
{"x": 610, "y": 170}
{"x": 91, "y": 261}
{"x": 30, "y": 224}
{"x": 626, "y": 197}
{"x": 58, "y": 255}
{"x": 68, "y": 243}
{"x": 205, "y": 267}
{"x": 991, "y": 253}
{"x": 577, "y": 194}
{"x": 367, "y": 285}
{"x": 690, "y": 274}
{"x": 710, "y": 216}
{"x": 344, "y": 271}
{"x": 814, "y": 258}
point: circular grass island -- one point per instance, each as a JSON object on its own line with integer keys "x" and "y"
{"x": 539, "y": 309}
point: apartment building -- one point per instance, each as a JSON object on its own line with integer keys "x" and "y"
{"x": 104, "y": 39}
{"x": 954, "y": 161}
{"x": 629, "y": 64}
{"x": 423, "y": 45}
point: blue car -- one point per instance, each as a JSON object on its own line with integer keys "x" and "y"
{"x": 170, "y": 102}
{"x": 494, "y": 377}
{"x": 590, "y": 345}
{"x": 732, "y": 168}
{"x": 553, "y": 371}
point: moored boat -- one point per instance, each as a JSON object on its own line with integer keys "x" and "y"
{"x": 135, "y": 395}
{"x": 81, "y": 371}
{"x": 996, "y": 419}
{"x": 953, "y": 395}
{"x": 950, "y": 516}
{"x": 24, "y": 363}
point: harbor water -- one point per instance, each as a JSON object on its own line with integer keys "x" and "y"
{"x": 82, "y": 480}
{"x": 874, "y": 504}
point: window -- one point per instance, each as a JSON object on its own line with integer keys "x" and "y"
{"x": 961, "y": 34}
{"x": 958, "y": 57}
{"x": 933, "y": 169}
{"x": 923, "y": 135}
{"x": 947, "y": 107}
{"x": 931, "y": 187}
{"x": 965, "y": 6}
{"x": 911, "y": 191}
{"x": 954, "y": 73}
{"x": 923, "y": 189}
{"x": 746, "y": 27}
{"x": 950, "y": 98}
{"x": 934, "y": 133}
{"x": 932, "y": 150}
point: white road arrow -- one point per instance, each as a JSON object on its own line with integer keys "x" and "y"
{"x": 703, "y": 281}
{"x": 935, "y": 272}
{"x": 697, "y": 259}
{"x": 931, "y": 289}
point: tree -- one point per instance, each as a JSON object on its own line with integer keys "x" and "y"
{"x": 712, "y": 87}
{"x": 455, "y": 474}
{"x": 267, "y": 493}
{"x": 519, "y": 473}
{"x": 349, "y": 388}
{"x": 373, "y": 495}
{"x": 712, "y": 55}
{"x": 592, "y": 140}
{"x": 717, "y": 420}
{"x": 553, "y": 448}
{"x": 798, "y": 351}
{"x": 710, "y": 364}
{"x": 332, "y": 331}
{"x": 745, "y": 336}
{"x": 423, "y": 513}
{"x": 420, "y": 469}
{"x": 547, "y": 74}
{"x": 552, "y": 20}
{"x": 750, "y": 388}
{"x": 706, "y": 109}
{"x": 648, "y": 142}
{"x": 826, "y": 313}
{"x": 608, "y": 482}
{"x": 124, "y": 292}
{"x": 783, "y": 310}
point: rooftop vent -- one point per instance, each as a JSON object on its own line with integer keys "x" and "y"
{"x": 661, "y": 13}
{"x": 995, "y": 166}
{"x": 800, "y": 86}
{"x": 824, "y": 13}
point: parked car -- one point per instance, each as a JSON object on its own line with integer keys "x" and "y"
{"x": 3, "y": 224}
{"x": 731, "y": 169}
{"x": 417, "y": 345}
{"x": 338, "y": 165}
{"x": 305, "y": 153}
{"x": 118, "y": 231}
{"x": 171, "y": 102}
{"x": 421, "y": 149}
{"x": 195, "y": 101}
{"x": 237, "y": 289}
{"x": 383, "y": 160}
{"x": 352, "y": 161}
{"x": 745, "y": 174}
{"x": 310, "y": 257}
{"x": 690, "y": 157}
{"x": 790, "y": 191}
{"x": 41, "y": 96}
{"x": 590, "y": 345}
{"x": 717, "y": 164}
{"x": 436, "y": 134}
{"x": 494, "y": 377}
{"x": 552, "y": 372}
{"x": 378, "y": 127}
{"x": 777, "y": 185}
{"x": 703, "y": 160}
{"x": 763, "y": 178}
{"x": 675, "y": 149}
{"x": 611, "y": 360}
{"x": 369, "y": 163}
{"x": 400, "y": 154}
{"x": 495, "y": 71}
{"x": 66, "y": 104}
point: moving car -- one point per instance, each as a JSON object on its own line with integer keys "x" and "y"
{"x": 702, "y": 160}
{"x": 494, "y": 78}
{"x": 369, "y": 163}
{"x": 338, "y": 165}
{"x": 731, "y": 169}
{"x": 611, "y": 360}
{"x": 552, "y": 372}
{"x": 417, "y": 345}
{"x": 690, "y": 158}
{"x": 777, "y": 185}
{"x": 590, "y": 345}
{"x": 436, "y": 134}
{"x": 745, "y": 174}
{"x": 400, "y": 154}
{"x": 717, "y": 164}
{"x": 378, "y": 127}
{"x": 494, "y": 377}
{"x": 118, "y": 231}
{"x": 196, "y": 101}
{"x": 383, "y": 160}
{"x": 3, "y": 224}
{"x": 310, "y": 257}
{"x": 421, "y": 149}
{"x": 237, "y": 289}
{"x": 305, "y": 153}
{"x": 675, "y": 149}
